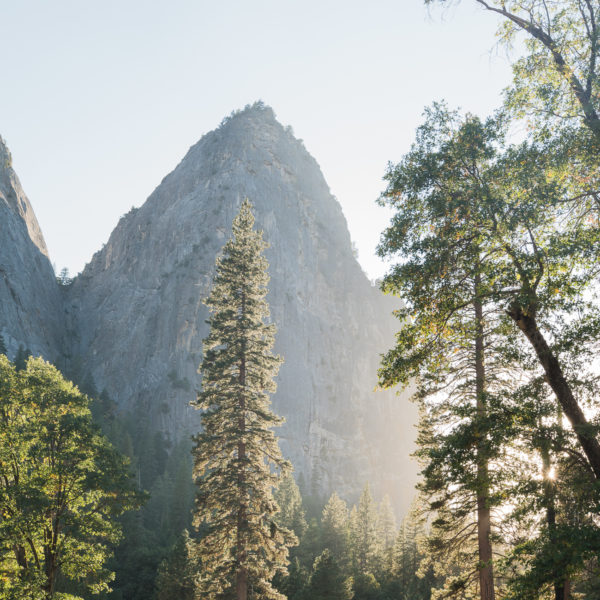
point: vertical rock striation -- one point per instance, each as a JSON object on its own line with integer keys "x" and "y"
{"x": 134, "y": 319}
{"x": 30, "y": 299}
{"x": 138, "y": 311}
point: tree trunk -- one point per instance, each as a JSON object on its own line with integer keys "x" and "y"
{"x": 561, "y": 388}
{"x": 486, "y": 571}
{"x": 549, "y": 493}
{"x": 241, "y": 583}
{"x": 591, "y": 119}
{"x": 567, "y": 589}
{"x": 51, "y": 570}
{"x": 20, "y": 556}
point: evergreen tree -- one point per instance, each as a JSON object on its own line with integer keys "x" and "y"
{"x": 311, "y": 545}
{"x": 21, "y": 358}
{"x": 408, "y": 580}
{"x": 327, "y": 581}
{"x": 63, "y": 278}
{"x": 366, "y": 587}
{"x": 335, "y": 528}
{"x": 176, "y": 575}
{"x": 477, "y": 245}
{"x": 553, "y": 507}
{"x": 3, "y": 349}
{"x": 363, "y": 533}
{"x": 386, "y": 535}
{"x": 237, "y": 457}
{"x": 182, "y": 492}
{"x": 443, "y": 341}
{"x": 294, "y": 585}
{"x": 291, "y": 512}
{"x": 150, "y": 534}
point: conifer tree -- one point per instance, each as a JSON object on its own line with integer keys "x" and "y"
{"x": 327, "y": 581}
{"x": 409, "y": 579}
{"x": 237, "y": 458}
{"x": 176, "y": 574}
{"x": 477, "y": 245}
{"x": 295, "y": 584}
{"x": 445, "y": 286}
{"x": 2, "y": 345}
{"x": 21, "y": 358}
{"x": 334, "y": 528}
{"x": 292, "y": 513}
{"x": 386, "y": 534}
{"x": 363, "y": 532}
{"x": 311, "y": 545}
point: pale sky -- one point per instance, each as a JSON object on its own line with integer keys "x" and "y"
{"x": 99, "y": 100}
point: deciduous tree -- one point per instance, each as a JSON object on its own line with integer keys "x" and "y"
{"x": 558, "y": 79}
{"x": 61, "y": 486}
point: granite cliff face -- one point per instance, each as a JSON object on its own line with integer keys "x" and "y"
{"x": 138, "y": 311}
{"x": 30, "y": 300}
{"x": 135, "y": 319}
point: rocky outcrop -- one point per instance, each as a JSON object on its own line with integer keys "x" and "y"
{"x": 138, "y": 311}
{"x": 134, "y": 319}
{"x": 30, "y": 299}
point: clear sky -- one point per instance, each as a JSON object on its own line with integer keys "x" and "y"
{"x": 99, "y": 100}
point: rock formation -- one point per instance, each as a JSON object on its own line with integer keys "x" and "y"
{"x": 136, "y": 317}
{"x": 30, "y": 299}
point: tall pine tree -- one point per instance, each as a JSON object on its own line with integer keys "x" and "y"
{"x": 363, "y": 533}
{"x": 237, "y": 457}
{"x": 292, "y": 513}
{"x": 335, "y": 534}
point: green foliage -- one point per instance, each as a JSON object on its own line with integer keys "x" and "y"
{"x": 163, "y": 472}
{"x": 291, "y": 512}
{"x": 177, "y": 573}
{"x": 21, "y": 358}
{"x": 335, "y": 531}
{"x": 237, "y": 457}
{"x": 411, "y": 575}
{"x": 556, "y": 82}
{"x": 386, "y": 534}
{"x": 325, "y": 552}
{"x": 366, "y": 587}
{"x": 3, "y": 349}
{"x": 62, "y": 486}
{"x": 363, "y": 533}
{"x": 63, "y": 278}
{"x": 327, "y": 581}
{"x": 150, "y": 534}
{"x": 514, "y": 231}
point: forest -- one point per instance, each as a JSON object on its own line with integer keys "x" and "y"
{"x": 494, "y": 253}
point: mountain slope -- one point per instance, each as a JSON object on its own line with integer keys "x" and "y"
{"x": 138, "y": 313}
{"x": 30, "y": 299}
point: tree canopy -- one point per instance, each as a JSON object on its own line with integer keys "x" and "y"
{"x": 62, "y": 486}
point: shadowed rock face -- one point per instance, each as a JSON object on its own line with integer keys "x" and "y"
{"x": 30, "y": 300}
{"x": 136, "y": 317}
